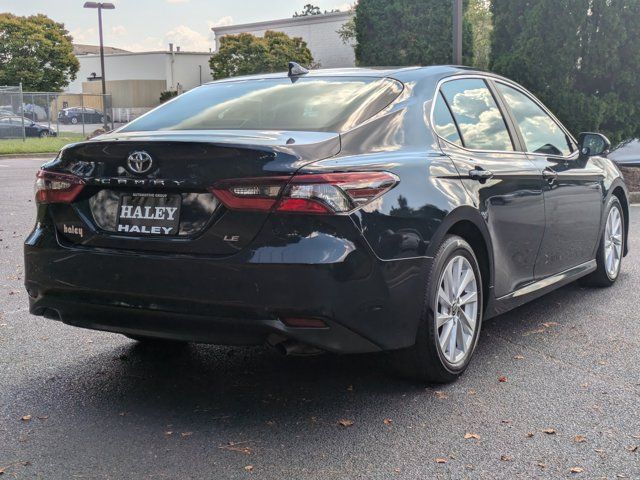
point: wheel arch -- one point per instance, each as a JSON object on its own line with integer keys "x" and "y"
{"x": 619, "y": 192}
{"x": 467, "y": 223}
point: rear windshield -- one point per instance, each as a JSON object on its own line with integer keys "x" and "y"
{"x": 332, "y": 104}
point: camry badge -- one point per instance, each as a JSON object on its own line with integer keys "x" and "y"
{"x": 139, "y": 162}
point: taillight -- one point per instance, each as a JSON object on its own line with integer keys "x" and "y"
{"x": 54, "y": 187}
{"x": 324, "y": 193}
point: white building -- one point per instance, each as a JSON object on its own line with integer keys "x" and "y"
{"x": 319, "y": 31}
{"x": 136, "y": 79}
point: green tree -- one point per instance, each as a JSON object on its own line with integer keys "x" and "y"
{"x": 478, "y": 17}
{"x": 579, "y": 56}
{"x": 309, "y": 9}
{"x": 246, "y": 54}
{"x": 407, "y": 32}
{"x": 36, "y": 51}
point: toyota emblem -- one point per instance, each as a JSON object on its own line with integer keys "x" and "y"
{"x": 139, "y": 162}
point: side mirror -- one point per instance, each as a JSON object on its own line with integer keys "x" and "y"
{"x": 593, "y": 144}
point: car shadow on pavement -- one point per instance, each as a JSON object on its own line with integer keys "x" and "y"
{"x": 231, "y": 380}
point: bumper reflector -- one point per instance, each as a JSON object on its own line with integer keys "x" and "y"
{"x": 297, "y": 322}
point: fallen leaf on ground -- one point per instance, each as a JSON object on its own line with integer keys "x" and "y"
{"x": 235, "y": 447}
{"x": 632, "y": 448}
{"x": 533, "y": 332}
{"x": 345, "y": 422}
{"x": 387, "y": 421}
{"x": 186, "y": 434}
{"x": 530, "y": 434}
{"x": 26, "y": 418}
{"x": 549, "y": 431}
{"x": 518, "y": 357}
{"x": 350, "y": 388}
{"x": 577, "y": 470}
{"x": 43, "y": 417}
{"x": 245, "y": 450}
{"x": 502, "y": 379}
{"x": 441, "y": 460}
{"x": 249, "y": 468}
{"x": 506, "y": 458}
{"x": 550, "y": 324}
{"x": 579, "y": 439}
{"x": 440, "y": 394}
{"x": 168, "y": 433}
{"x": 475, "y": 436}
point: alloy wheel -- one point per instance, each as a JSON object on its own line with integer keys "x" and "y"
{"x": 613, "y": 243}
{"x": 456, "y": 310}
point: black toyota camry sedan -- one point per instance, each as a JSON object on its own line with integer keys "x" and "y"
{"x": 357, "y": 210}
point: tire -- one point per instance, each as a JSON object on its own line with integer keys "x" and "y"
{"x": 606, "y": 274}
{"x": 43, "y": 134}
{"x": 102, "y": 119}
{"x": 74, "y": 120}
{"x": 427, "y": 360}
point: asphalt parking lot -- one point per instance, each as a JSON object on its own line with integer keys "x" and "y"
{"x": 553, "y": 392}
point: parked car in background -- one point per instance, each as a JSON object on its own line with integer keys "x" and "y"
{"x": 75, "y": 115}
{"x": 348, "y": 211}
{"x": 34, "y": 112}
{"x": 627, "y": 154}
{"x": 11, "y": 127}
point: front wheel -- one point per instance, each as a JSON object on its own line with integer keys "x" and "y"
{"x": 450, "y": 324}
{"x": 611, "y": 248}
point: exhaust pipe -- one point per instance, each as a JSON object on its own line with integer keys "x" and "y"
{"x": 297, "y": 349}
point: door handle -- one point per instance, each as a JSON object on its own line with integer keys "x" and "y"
{"x": 549, "y": 175}
{"x": 480, "y": 174}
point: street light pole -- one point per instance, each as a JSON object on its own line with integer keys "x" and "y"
{"x": 100, "y": 6}
{"x": 104, "y": 84}
{"x": 457, "y": 32}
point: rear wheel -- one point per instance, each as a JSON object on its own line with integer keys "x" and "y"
{"x": 74, "y": 120}
{"x": 44, "y": 134}
{"x": 450, "y": 324}
{"x": 611, "y": 248}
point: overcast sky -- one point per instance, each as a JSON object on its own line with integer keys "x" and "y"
{"x": 140, "y": 25}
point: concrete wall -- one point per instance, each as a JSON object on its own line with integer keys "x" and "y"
{"x": 187, "y": 68}
{"x": 319, "y": 31}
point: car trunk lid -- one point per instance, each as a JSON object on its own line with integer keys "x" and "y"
{"x": 150, "y": 191}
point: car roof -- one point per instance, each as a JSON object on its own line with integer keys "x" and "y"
{"x": 399, "y": 73}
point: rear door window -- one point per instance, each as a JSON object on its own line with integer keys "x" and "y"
{"x": 444, "y": 123}
{"x": 479, "y": 119}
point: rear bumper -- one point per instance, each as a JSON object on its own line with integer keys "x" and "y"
{"x": 367, "y": 304}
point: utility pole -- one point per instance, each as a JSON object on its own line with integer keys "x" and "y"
{"x": 457, "y": 32}
{"x": 100, "y": 6}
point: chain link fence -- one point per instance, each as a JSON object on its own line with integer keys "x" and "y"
{"x": 45, "y": 114}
